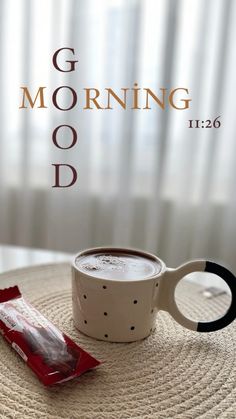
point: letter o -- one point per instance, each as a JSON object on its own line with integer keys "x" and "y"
{"x": 74, "y": 135}
{"x": 74, "y": 96}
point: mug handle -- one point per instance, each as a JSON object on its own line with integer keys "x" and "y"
{"x": 166, "y": 295}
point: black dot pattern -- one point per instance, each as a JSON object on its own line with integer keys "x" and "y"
{"x": 106, "y": 314}
{"x": 157, "y": 284}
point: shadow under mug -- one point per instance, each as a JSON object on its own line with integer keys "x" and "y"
{"x": 118, "y": 310}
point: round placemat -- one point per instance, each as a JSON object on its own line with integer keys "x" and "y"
{"x": 175, "y": 373}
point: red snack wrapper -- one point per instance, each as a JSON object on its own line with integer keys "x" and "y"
{"x": 51, "y": 354}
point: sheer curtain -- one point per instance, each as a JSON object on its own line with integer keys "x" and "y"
{"x": 144, "y": 178}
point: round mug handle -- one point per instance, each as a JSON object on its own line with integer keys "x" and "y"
{"x": 166, "y": 295}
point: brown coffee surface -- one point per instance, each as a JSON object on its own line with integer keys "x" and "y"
{"x": 118, "y": 265}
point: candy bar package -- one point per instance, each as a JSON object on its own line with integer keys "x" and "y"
{"x": 51, "y": 354}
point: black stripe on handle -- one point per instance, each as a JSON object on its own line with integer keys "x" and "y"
{"x": 230, "y": 315}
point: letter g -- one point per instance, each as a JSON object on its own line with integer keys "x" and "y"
{"x": 72, "y": 63}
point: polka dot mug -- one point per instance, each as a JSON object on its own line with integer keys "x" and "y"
{"x": 117, "y": 293}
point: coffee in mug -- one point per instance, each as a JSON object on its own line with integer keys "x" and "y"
{"x": 117, "y": 293}
{"x": 119, "y": 265}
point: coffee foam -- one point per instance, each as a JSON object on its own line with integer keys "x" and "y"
{"x": 118, "y": 265}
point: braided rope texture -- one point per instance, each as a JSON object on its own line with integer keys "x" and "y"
{"x": 174, "y": 373}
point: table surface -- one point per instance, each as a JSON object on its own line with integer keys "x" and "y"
{"x": 13, "y": 257}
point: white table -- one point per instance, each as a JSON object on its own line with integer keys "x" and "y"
{"x": 13, "y": 257}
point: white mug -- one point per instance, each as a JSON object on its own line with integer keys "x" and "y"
{"x": 107, "y": 306}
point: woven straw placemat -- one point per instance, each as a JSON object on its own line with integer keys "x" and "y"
{"x": 175, "y": 373}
